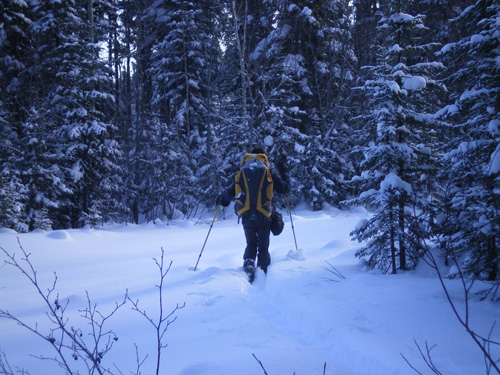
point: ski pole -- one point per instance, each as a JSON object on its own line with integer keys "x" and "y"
{"x": 211, "y": 225}
{"x": 291, "y": 222}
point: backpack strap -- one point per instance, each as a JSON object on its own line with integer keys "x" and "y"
{"x": 245, "y": 206}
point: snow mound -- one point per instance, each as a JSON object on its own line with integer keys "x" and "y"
{"x": 7, "y": 231}
{"x": 295, "y": 255}
{"x": 59, "y": 235}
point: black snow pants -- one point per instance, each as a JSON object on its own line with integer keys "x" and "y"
{"x": 257, "y": 237}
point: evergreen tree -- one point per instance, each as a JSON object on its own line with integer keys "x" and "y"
{"x": 29, "y": 153}
{"x": 42, "y": 173}
{"x": 400, "y": 163}
{"x": 322, "y": 168}
{"x": 15, "y": 49}
{"x": 180, "y": 66}
{"x": 469, "y": 223}
{"x": 251, "y": 21}
{"x": 172, "y": 121}
{"x": 309, "y": 68}
{"x": 136, "y": 125}
{"x": 437, "y": 19}
{"x": 12, "y": 204}
{"x": 365, "y": 30}
{"x": 75, "y": 104}
{"x": 243, "y": 81}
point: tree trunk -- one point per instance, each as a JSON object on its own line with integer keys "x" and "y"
{"x": 91, "y": 20}
{"x": 241, "y": 48}
{"x": 492, "y": 260}
{"x": 402, "y": 249}
{"x": 393, "y": 247}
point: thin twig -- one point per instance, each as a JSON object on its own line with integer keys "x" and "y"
{"x": 334, "y": 272}
{"x": 261, "y": 365}
{"x": 164, "y": 321}
{"x": 66, "y": 341}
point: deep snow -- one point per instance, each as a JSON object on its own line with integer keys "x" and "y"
{"x": 295, "y": 320}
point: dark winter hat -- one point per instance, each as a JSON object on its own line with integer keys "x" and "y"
{"x": 258, "y": 150}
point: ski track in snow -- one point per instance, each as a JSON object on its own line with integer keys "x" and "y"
{"x": 294, "y": 320}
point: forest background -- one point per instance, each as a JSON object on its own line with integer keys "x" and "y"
{"x": 133, "y": 110}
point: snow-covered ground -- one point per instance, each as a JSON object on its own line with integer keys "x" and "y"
{"x": 295, "y": 320}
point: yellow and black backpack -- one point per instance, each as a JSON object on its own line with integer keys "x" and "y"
{"x": 254, "y": 187}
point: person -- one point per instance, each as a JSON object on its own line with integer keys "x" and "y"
{"x": 256, "y": 221}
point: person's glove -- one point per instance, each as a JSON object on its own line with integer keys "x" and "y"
{"x": 218, "y": 200}
{"x": 282, "y": 168}
{"x": 221, "y": 201}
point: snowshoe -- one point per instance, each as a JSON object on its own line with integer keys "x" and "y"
{"x": 251, "y": 276}
{"x": 249, "y": 268}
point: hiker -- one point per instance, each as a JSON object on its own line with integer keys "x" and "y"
{"x": 255, "y": 214}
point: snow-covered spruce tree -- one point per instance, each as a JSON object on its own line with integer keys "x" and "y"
{"x": 249, "y": 22}
{"x": 181, "y": 68}
{"x": 437, "y": 17}
{"x": 243, "y": 78}
{"x": 367, "y": 14}
{"x": 28, "y": 148}
{"x": 469, "y": 223}
{"x": 42, "y": 172}
{"x": 184, "y": 63}
{"x": 75, "y": 103}
{"x": 15, "y": 49}
{"x": 235, "y": 112}
{"x": 332, "y": 79}
{"x": 107, "y": 202}
{"x": 12, "y": 203}
{"x": 400, "y": 162}
{"x": 282, "y": 108}
{"x": 308, "y": 63}
{"x": 137, "y": 126}
{"x": 323, "y": 178}
{"x": 246, "y": 24}
{"x": 209, "y": 159}
{"x": 102, "y": 19}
